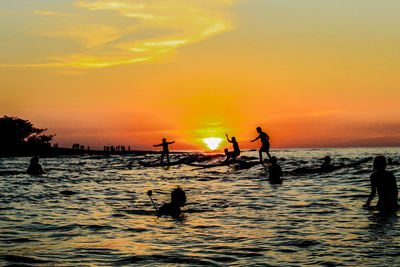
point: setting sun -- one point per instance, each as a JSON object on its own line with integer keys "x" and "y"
{"x": 212, "y": 142}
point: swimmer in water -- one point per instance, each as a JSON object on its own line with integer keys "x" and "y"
{"x": 165, "y": 151}
{"x": 391, "y": 162}
{"x": 34, "y": 167}
{"x": 236, "y": 150}
{"x": 178, "y": 200}
{"x": 275, "y": 171}
{"x": 327, "y": 166}
{"x": 264, "y": 143}
{"x": 385, "y": 183}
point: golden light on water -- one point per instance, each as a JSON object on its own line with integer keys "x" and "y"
{"x": 212, "y": 142}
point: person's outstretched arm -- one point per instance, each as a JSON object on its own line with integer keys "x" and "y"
{"x": 171, "y": 142}
{"x": 158, "y": 145}
{"x": 227, "y": 138}
{"x": 258, "y": 137}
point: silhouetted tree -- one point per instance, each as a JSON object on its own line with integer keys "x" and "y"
{"x": 19, "y": 135}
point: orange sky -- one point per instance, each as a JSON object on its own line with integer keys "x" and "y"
{"x": 311, "y": 73}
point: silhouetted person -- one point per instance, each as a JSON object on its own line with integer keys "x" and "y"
{"x": 236, "y": 150}
{"x": 275, "y": 171}
{"x": 178, "y": 200}
{"x": 327, "y": 166}
{"x": 264, "y": 142}
{"x": 391, "y": 162}
{"x": 385, "y": 183}
{"x": 34, "y": 167}
{"x": 165, "y": 151}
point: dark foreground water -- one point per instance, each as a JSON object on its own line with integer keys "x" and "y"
{"x": 94, "y": 211}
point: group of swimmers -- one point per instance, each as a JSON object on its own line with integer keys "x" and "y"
{"x": 382, "y": 182}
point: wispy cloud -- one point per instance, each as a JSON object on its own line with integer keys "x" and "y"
{"x": 47, "y": 13}
{"x": 113, "y": 32}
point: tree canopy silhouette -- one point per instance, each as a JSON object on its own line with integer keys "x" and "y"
{"x": 20, "y": 135}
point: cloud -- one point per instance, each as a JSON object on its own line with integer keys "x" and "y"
{"x": 90, "y": 35}
{"x": 47, "y": 13}
{"x": 113, "y": 32}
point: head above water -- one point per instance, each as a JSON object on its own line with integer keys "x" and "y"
{"x": 327, "y": 159}
{"x": 164, "y": 140}
{"x": 379, "y": 163}
{"x": 258, "y": 129}
{"x": 273, "y": 160}
{"x": 226, "y": 151}
{"x": 178, "y": 196}
{"x": 35, "y": 160}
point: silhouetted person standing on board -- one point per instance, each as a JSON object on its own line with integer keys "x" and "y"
{"x": 385, "y": 183}
{"x": 178, "y": 200}
{"x": 275, "y": 171}
{"x": 264, "y": 143}
{"x": 165, "y": 151}
{"x": 34, "y": 167}
{"x": 236, "y": 150}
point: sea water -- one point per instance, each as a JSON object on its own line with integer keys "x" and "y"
{"x": 94, "y": 211}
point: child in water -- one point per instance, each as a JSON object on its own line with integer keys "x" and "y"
{"x": 275, "y": 171}
{"x": 34, "y": 167}
{"x": 385, "y": 183}
{"x": 178, "y": 200}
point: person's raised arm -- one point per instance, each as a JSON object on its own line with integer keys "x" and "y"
{"x": 227, "y": 138}
{"x": 158, "y": 145}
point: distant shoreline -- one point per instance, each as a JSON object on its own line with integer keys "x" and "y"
{"x": 54, "y": 152}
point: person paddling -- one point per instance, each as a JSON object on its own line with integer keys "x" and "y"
{"x": 264, "y": 143}
{"x": 165, "y": 151}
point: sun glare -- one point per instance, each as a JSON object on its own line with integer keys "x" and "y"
{"x": 212, "y": 142}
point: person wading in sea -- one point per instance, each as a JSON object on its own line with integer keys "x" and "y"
{"x": 385, "y": 183}
{"x": 264, "y": 143}
{"x": 34, "y": 167}
{"x": 173, "y": 208}
{"x": 275, "y": 171}
{"x": 165, "y": 151}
